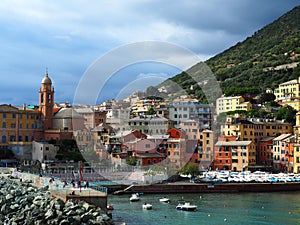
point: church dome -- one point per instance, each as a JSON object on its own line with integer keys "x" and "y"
{"x": 46, "y": 80}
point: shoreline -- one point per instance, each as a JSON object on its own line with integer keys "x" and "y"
{"x": 208, "y": 188}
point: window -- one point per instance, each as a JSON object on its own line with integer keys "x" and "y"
{"x": 4, "y": 115}
{"x": 13, "y": 125}
{"x": 147, "y": 145}
{"x": 4, "y": 125}
{"x": 3, "y": 139}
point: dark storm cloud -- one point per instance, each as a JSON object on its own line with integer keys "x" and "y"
{"x": 68, "y": 38}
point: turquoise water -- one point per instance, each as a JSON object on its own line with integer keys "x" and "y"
{"x": 235, "y": 208}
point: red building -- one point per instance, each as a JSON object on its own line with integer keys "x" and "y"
{"x": 265, "y": 152}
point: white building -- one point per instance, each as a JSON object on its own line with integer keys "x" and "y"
{"x": 43, "y": 151}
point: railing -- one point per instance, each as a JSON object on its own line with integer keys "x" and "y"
{"x": 99, "y": 188}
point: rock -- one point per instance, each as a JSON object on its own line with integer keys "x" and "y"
{"x": 106, "y": 217}
{"x": 64, "y": 222}
{"x": 9, "y": 196}
{"x": 14, "y": 206}
{"x": 86, "y": 217}
{"x": 23, "y": 204}
{"x": 50, "y": 214}
{"x": 86, "y": 206}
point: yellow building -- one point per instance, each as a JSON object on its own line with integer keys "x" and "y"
{"x": 253, "y": 129}
{"x": 205, "y": 140}
{"x": 18, "y": 127}
{"x": 296, "y": 153}
{"x": 205, "y": 148}
{"x": 226, "y": 104}
{"x": 287, "y": 90}
{"x": 288, "y": 93}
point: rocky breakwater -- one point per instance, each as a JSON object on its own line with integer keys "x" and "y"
{"x": 21, "y": 203}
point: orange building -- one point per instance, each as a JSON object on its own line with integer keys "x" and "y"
{"x": 234, "y": 155}
{"x": 176, "y": 148}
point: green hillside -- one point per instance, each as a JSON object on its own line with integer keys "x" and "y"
{"x": 262, "y": 61}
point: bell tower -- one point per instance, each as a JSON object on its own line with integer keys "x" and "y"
{"x": 46, "y": 102}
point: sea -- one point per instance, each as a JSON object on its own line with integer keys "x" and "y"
{"x": 212, "y": 208}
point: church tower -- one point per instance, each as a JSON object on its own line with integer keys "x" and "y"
{"x": 46, "y": 103}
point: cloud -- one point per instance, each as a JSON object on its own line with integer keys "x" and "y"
{"x": 67, "y": 37}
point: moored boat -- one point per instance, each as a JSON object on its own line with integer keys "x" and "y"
{"x": 186, "y": 206}
{"x": 147, "y": 206}
{"x": 109, "y": 207}
{"x": 134, "y": 197}
{"x": 164, "y": 199}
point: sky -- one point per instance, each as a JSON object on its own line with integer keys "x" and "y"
{"x": 68, "y": 38}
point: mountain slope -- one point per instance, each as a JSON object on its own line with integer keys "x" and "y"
{"x": 262, "y": 61}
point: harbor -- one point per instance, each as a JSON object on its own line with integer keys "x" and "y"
{"x": 218, "y": 208}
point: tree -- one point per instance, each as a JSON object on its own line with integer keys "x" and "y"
{"x": 221, "y": 118}
{"x": 131, "y": 161}
{"x": 150, "y": 111}
{"x": 266, "y": 97}
{"x": 286, "y": 113}
{"x": 190, "y": 169}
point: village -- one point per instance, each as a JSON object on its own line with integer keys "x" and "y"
{"x": 147, "y": 132}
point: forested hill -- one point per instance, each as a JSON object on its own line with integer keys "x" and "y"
{"x": 269, "y": 57}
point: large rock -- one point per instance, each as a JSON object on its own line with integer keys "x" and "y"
{"x": 23, "y": 204}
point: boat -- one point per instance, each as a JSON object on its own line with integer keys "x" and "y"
{"x": 164, "y": 199}
{"x": 147, "y": 206}
{"x": 109, "y": 207}
{"x": 186, "y": 206}
{"x": 134, "y": 197}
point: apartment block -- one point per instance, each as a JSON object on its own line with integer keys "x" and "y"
{"x": 226, "y": 104}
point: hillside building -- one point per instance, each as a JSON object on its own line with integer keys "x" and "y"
{"x": 182, "y": 110}
{"x": 226, "y": 104}
{"x": 254, "y": 129}
{"x": 150, "y": 125}
{"x": 288, "y": 93}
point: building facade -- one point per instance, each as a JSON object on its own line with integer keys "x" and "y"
{"x": 226, "y": 104}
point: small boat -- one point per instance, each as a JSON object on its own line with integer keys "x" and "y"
{"x": 134, "y": 197}
{"x": 147, "y": 206}
{"x": 164, "y": 199}
{"x": 109, "y": 207}
{"x": 186, "y": 207}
